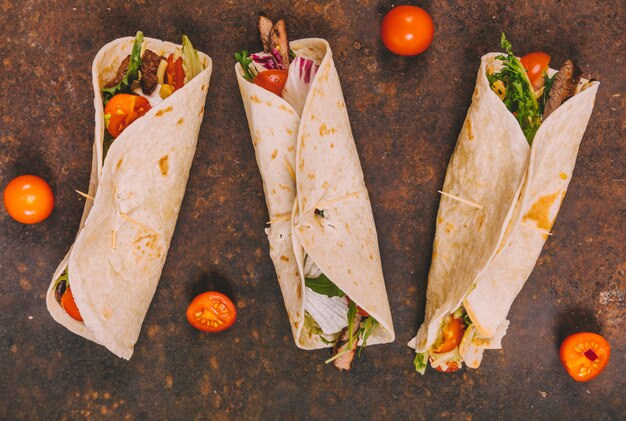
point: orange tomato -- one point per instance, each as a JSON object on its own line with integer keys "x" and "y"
{"x": 452, "y": 367}
{"x": 452, "y": 334}
{"x": 69, "y": 305}
{"x": 211, "y": 312}
{"x": 536, "y": 65}
{"x": 407, "y": 30}
{"x": 123, "y": 110}
{"x": 272, "y": 80}
{"x": 28, "y": 199}
{"x": 175, "y": 72}
{"x": 584, "y": 355}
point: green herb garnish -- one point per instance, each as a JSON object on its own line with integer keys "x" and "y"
{"x": 546, "y": 91}
{"x": 131, "y": 74}
{"x": 519, "y": 96}
{"x": 366, "y": 330}
{"x": 244, "y": 59}
{"x": 323, "y": 285}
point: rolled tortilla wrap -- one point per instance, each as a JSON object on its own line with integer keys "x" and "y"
{"x": 312, "y": 163}
{"x": 482, "y": 256}
{"x": 116, "y": 260}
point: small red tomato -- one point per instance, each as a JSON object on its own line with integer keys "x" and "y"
{"x": 211, "y": 312}
{"x": 175, "y": 72}
{"x": 452, "y": 333}
{"x": 28, "y": 199}
{"x": 536, "y": 65}
{"x": 407, "y": 30}
{"x": 584, "y": 355}
{"x": 272, "y": 80}
{"x": 123, "y": 109}
{"x": 452, "y": 367}
{"x": 69, "y": 305}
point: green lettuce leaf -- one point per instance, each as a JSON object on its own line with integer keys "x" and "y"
{"x": 131, "y": 74}
{"x": 191, "y": 60}
{"x": 323, "y": 285}
{"x": 421, "y": 362}
{"x": 244, "y": 59}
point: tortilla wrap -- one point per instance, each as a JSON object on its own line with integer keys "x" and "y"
{"x": 312, "y": 163}
{"x": 115, "y": 262}
{"x": 482, "y": 257}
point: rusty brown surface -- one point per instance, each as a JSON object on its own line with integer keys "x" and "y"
{"x": 406, "y": 114}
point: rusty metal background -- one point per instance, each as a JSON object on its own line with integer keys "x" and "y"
{"x": 406, "y": 114}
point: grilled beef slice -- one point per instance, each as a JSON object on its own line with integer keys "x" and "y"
{"x": 563, "y": 87}
{"x": 149, "y": 66}
{"x": 121, "y": 72}
{"x": 344, "y": 361}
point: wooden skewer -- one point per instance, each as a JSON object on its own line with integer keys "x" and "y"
{"x": 85, "y": 195}
{"x": 293, "y": 174}
{"x": 467, "y": 202}
{"x": 333, "y": 201}
{"x": 113, "y": 239}
{"x": 134, "y": 221}
{"x": 536, "y": 228}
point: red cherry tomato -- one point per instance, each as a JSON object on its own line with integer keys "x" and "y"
{"x": 123, "y": 109}
{"x": 69, "y": 305}
{"x": 452, "y": 334}
{"x": 28, "y": 199}
{"x": 272, "y": 80}
{"x": 407, "y": 30}
{"x": 211, "y": 312}
{"x": 452, "y": 367}
{"x": 175, "y": 72}
{"x": 584, "y": 355}
{"x": 536, "y": 65}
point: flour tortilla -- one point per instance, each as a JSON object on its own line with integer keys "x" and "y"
{"x": 318, "y": 151}
{"x": 144, "y": 176}
{"x": 482, "y": 257}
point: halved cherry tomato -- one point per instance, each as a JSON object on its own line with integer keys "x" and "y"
{"x": 123, "y": 110}
{"x": 175, "y": 72}
{"x": 211, "y": 312}
{"x": 452, "y": 367}
{"x": 272, "y": 80}
{"x": 452, "y": 335}
{"x": 69, "y": 305}
{"x": 28, "y": 199}
{"x": 584, "y": 355}
{"x": 536, "y": 65}
{"x": 407, "y": 30}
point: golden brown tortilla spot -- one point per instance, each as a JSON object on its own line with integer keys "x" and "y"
{"x": 283, "y": 187}
{"x": 119, "y": 164}
{"x": 106, "y": 313}
{"x": 325, "y": 185}
{"x": 301, "y": 164}
{"x": 290, "y": 148}
{"x": 371, "y": 257}
{"x": 332, "y": 145}
{"x": 563, "y": 176}
{"x": 180, "y": 121}
{"x": 449, "y": 228}
{"x": 285, "y": 108}
{"x": 349, "y": 271}
{"x": 348, "y": 227}
{"x": 201, "y": 110}
{"x": 269, "y": 104}
{"x": 325, "y": 131}
{"x": 164, "y": 164}
{"x": 481, "y": 220}
{"x": 255, "y": 99}
{"x": 163, "y": 111}
{"x": 439, "y": 220}
{"x": 289, "y": 132}
{"x": 468, "y": 127}
{"x": 273, "y": 191}
{"x": 540, "y": 211}
{"x": 296, "y": 324}
{"x": 275, "y": 154}
{"x": 203, "y": 87}
{"x": 312, "y": 176}
{"x": 256, "y": 140}
{"x": 284, "y": 258}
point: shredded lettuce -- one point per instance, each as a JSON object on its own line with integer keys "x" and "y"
{"x": 519, "y": 96}
{"x": 301, "y": 74}
{"x": 421, "y": 362}
{"x": 191, "y": 60}
{"x": 131, "y": 74}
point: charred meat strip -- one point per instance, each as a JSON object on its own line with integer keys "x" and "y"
{"x": 265, "y": 27}
{"x": 121, "y": 72}
{"x": 563, "y": 87}
{"x": 344, "y": 361}
{"x": 149, "y": 67}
